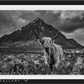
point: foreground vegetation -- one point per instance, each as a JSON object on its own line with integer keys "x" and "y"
{"x": 33, "y": 64}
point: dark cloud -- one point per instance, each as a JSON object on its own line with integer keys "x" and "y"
{"x": 5, "y": 19}
{"x": 29, "y": 15}
{"x": 47, "y": 16}
{"x": 50, "y": 17}
{"x": 65, "y": 21}
{"x": 77, "y": 19}
{"x": 70, "y": 24}
{"x": 10, "y": 21}
{"x": 70, "y": 21}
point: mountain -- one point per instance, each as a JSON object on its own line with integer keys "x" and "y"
{"x": 26, "y": 36}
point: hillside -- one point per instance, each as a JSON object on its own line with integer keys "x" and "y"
{"x": 25, "y": 38}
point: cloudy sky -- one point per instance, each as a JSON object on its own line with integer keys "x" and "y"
{"x": 69, "y": 22}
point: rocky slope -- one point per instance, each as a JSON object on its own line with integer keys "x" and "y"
{"x": 25, "y": 37}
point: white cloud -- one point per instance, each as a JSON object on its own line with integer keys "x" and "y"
{"x": 76, "y": 33}
{"x": 20, "y": 20}
{"x": 71, "y": 14}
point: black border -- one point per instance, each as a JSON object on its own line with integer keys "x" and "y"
{"x": 56, "y": 81}
{"x": 44, "y": 81}
{"x": 40, "y": 2}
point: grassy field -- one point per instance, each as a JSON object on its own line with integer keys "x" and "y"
{"x": 32, "y": 63}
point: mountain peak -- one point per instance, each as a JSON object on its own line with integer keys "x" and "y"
{"x": 37, "y": 21}
{"x": 43, "y": 29}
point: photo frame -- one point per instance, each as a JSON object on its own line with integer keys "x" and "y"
{"x": 47, "y": 3}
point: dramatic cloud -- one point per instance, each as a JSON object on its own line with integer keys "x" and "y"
{"x": 69, "y": 22}
{"x": 10, "y": 21}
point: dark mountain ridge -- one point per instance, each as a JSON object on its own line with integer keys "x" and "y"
{"x": 27, "y": 33}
